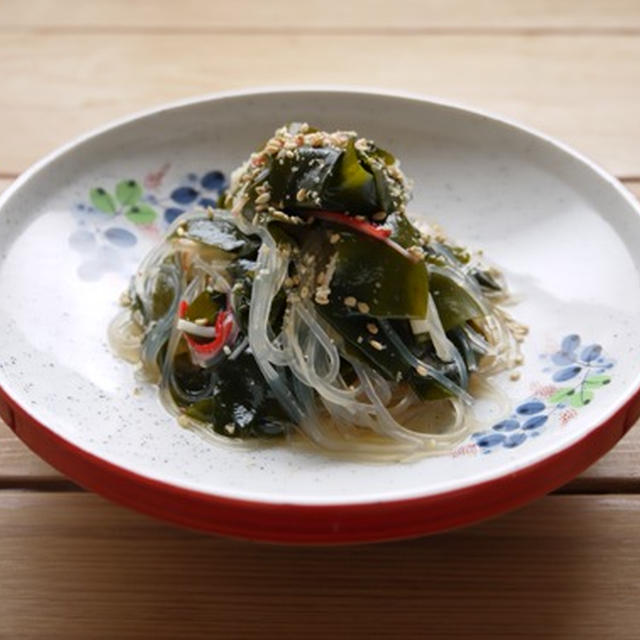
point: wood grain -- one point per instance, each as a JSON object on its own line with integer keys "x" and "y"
{"x": 313, "y": 15}
{"x": 579, "y": 89}
{"x": 74, "y": 566}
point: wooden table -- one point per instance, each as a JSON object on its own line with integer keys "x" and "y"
{"x": 74, "y": 566}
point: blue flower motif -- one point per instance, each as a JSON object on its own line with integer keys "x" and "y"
{"x": 531, "y": 407}
{"x": 213, "y": 181}
{"x": 566, "y": 373}
{"x": 171, "y": 214}
{"x": 585, "y": 371}
{"x": 184, "y": 195}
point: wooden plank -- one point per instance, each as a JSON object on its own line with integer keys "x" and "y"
{"x": 581, "y": 89}
{"x": 19, "y": 465}
{"x": 76, "y": 567}
{"x": 617, "y": 471}
{"x": 313, "y": 15}
{"x": 633, "y": 186}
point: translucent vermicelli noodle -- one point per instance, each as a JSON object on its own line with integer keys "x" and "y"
{"x": 309, "y": 308}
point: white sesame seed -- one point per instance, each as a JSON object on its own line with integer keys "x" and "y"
{"x": 230, "y": 428}
{"x": 363, "y": 307}
{"x": 227, "y": 350}
{"x": 301, "y": 195}
{"x": 304, "y": 292}
{"x": 372, "y": 328}
{"x": 421, "y": 371}
{"x": 359, "y": 339}
{"x": 335, "y": 237}
{"x": 180, "y": 231}
{"x": 350, "y": 301}
{"x": 377, "y": 345}
{"x": 183, "y": 420}
{"x": 381, "y": 215}
{"x": 361, "y": 144}
{"x": 200, "y": 321}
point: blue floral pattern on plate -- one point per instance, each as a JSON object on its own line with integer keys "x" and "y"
{"x": 576, "y": 372}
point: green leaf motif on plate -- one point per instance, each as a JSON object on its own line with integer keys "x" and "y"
{"x": 102, "y": 200}
{"x": 596, "y": 381}
{"x": 580, "y": 398}
{"x": 560, "y": 395}
{"x": 128, "y": 192}
{"x": 141, "y": 214}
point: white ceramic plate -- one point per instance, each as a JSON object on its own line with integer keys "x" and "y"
{"x": 565, "y": 233}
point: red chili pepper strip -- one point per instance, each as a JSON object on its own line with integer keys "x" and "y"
{"x": 223, "y": 327}
{"x": 371, "y": 230}
{"x": 349, "y": 221}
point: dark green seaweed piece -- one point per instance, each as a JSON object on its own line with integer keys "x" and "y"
{"x": 455, "y": 306}
{"x": 365, "y": 339}
{"x": 206, "y": 305}
{"x": 189, "y": 380}
{"x": 328, "y": 178}
{"x": 386, "y": 283}
{"x": 241, "y": 404}
{"x": 220, "y": 234}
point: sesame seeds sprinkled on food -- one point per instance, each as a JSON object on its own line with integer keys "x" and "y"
{"x": 313, "y": 282}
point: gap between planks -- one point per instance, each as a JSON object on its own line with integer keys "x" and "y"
{"x": 355, "y": 32}
{"x": 494, "y": 16}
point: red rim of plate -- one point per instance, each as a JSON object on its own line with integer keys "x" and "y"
{"x": 317, "y": 524}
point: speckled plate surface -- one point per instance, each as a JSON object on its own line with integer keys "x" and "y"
{"x": 74, "y": 227}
